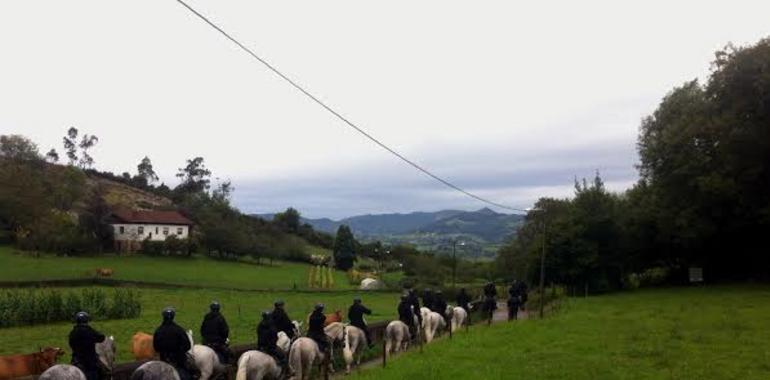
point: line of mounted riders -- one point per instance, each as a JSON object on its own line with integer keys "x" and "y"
{"x": 173, "y": 344}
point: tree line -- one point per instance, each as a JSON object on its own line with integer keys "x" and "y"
{"x": 702, "y": 199}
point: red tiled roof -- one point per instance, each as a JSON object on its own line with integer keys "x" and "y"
{"x": 151, "y": 217}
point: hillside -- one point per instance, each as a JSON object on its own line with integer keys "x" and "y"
{"x": 483, "y": 230}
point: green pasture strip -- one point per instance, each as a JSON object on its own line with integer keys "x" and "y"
{"x": 196, "y": 271}
{"x": 241, "y": 308}
{"x": 683, "y": 333}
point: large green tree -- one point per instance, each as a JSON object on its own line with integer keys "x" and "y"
{"x": 344, "y": 248}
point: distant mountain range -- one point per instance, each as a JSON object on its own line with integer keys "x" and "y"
{"x": 481, "y": 231}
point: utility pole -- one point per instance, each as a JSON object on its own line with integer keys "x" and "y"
{"x": 542, "y": 271}
{"x": 454, "y": 262}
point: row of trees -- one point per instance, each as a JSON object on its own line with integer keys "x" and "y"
{"x": 703, "y": 199}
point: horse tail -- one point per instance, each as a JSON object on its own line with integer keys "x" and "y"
{"x": 347, "y": 353}
{"x": 242, "y": 369}
{"x": 295, "y": 360}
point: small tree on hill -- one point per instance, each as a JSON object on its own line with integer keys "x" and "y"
{"x": 144, "y": 170}
{"x": 344, "y": 248}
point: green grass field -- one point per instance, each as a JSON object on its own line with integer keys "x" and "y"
{"x": 686, "y": 333}
{"x": 241, "y": 308}
{"x": 195, "y": 271}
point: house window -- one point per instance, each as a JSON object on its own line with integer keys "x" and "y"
{"x": 141, "y": 230}
{"x": 156, "y": 230}
{"x": 122, "y": 229}
{"x": 165, "y": 230}
{"x": 179, "y": 230}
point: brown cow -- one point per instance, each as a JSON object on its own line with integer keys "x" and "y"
{"x": 28, "y": 364}
{"x": 141, "y": 346}
{"x": 104, "y": 272}
{"x": 331, "y": 318}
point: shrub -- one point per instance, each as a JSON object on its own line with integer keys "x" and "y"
{"x": 23, "y": 307}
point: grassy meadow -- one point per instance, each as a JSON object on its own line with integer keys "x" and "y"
{"x": 197, "y": 271}
{"x": 685, "y": 333}
{"x": 241, "y": 308}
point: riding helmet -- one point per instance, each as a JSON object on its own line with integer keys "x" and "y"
{"x": 215, "y": 306}
{"x": 265, "y": 314}
{"x": 168, "y": 314}
{"x": 82, "y": 317}
{"x": 403, "y": 297}
{"x": 319, "y": 306}
{"x": 357, "y": 300}
{"x": 278, "y": 303}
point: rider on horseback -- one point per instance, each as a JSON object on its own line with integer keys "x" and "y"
{"x": 83, "y": 339}
{"x": 406, "y": 315}
{"x": 490, "y": 300}
{"x": 172, "y": 345}
{"x": 427, "y": 299}
{"x": 413, "y": 300}
{"x": 267, "y": 339}
{"x": 281, "y": 320}
{"x": 215, "y": 332}
{"x": 316, "y": 328}
{"x": 440, "y": 305}
{"x": 356, "y": 317}
{"x": 463, "y": 300}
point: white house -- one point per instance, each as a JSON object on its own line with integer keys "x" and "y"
{"x": 131, "y": 227}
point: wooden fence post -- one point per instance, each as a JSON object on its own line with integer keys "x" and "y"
{"x": 384, "y": 352}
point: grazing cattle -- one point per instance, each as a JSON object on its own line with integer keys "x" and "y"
{"x": 28, "y": 364}
{"x": 104, "y": 272}
{"x": 62, "y": 372}
{"x": 141, "y": 346}
{"x": 257, "y": 365}
{"x": 397, "y": 337}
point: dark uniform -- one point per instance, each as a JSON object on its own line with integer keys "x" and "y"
{"x": 523, "y": 293}
{"x": 514, "y": 302}
{"x": 463, "y": 300}
{"x": 490, "y": 299}
{"x": 214, "y": 332}
{"x": 415, "y": 302}
{"x": 316, "y": 328}
{"x": 172, "y": 343}
{"x": 282, "y": 321}
{"x": 83, "y": 340}
{"x": 356, "y": 317}
{"x": 406, "y": 315}
{"x": 427, "y": 299}
{"x": 267, "y": 339}
{"x": 440, "y": 306}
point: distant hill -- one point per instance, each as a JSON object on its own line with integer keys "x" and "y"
{"x": 482, "y": 231}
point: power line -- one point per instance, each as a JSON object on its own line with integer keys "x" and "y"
{"x": 344, "y": 119}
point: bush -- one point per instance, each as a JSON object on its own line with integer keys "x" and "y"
{"x": 24, "y": 307}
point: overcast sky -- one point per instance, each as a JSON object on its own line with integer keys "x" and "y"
{"x": 509, "y": 100}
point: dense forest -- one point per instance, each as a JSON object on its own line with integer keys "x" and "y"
{"x": 702, "y": 200}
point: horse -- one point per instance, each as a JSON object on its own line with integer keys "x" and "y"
{"x": 155, "y": 370}
{"x": 432, "y": 323}
{"x": 29, "y": 364}
{"x": 257, "y": 365}
{"x": 458, "y": 316}
{"x": 303, "y": 354}
{"x": 63, "y": 372}
{"x": 354, "y": 344}
{"x": 335, "y": 317}
{"x": 284, "y": 343}
{"x": 106, "y": 352}
{"x": 397, "y": 337}
{"x": 205, "y": 358}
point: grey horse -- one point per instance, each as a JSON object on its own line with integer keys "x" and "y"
{"x": 155, "y": 370}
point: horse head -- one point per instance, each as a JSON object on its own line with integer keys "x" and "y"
{"x": 297, "y": 328}
{"x": 106, "y": 351}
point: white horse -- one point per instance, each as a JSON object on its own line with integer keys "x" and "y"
{"x": 459, "y": 316}
{"x": 397, "y": 337}
{"x": 155, "y": 370}
{"x": 205, "y": 358}
{"x": 304, "y": 353}
{"x": 106, "y": 352}
{"x": 353, "y": 341}
{"x": 257, "y": 365}
{"x": 284, "y": 343}
{"x": 432, "y": 323}
{"x": 62, "y": 372}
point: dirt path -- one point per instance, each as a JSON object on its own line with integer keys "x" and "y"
{"x": 501, "y": 315}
